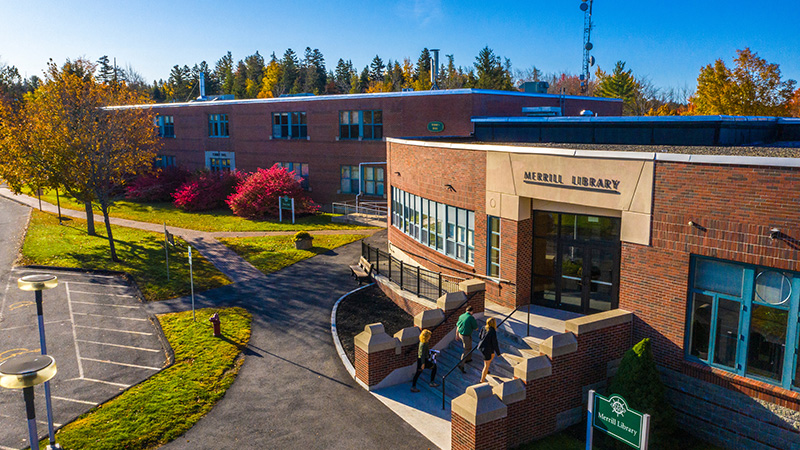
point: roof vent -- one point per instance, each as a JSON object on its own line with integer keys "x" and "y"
{"x": 586, "y": 113}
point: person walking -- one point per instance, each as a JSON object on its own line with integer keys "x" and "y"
{"x": 464, "y": 327}
{"x": 489, "y": 346}
{"x": 424, "y": 361}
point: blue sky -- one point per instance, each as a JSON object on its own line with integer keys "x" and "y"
{"x": 666, "y": 41}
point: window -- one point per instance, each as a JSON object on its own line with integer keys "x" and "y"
{"x": 220, "y": 161}
{"x": 166, "y": 126}
{"x": 289, "y": 125}
{"x": 218, "y": 125}
{"x": 739, "y": 320}
{"x": 300, "y": 172}
{"x": 165, "y": 161}
{"x": 373, "y": 181}
{"x": 361, "y": 124}
{"x": 444, "y": 228}
{"x": 493, "y": 235}
{"x": 349, "y": 180}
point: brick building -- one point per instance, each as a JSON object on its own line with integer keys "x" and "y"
{"x": 325, "y": 138}
{"x": 681, "y": 221}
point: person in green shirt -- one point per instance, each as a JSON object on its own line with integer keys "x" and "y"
{"x": 464, "y": 327}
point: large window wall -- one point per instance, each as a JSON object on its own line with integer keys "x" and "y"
{"x": 444, "y": 228}
{"x": 744, "y": 319}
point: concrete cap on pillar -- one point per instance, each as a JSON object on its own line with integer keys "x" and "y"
{"x": 510, "y": 391}
{"x": 408, "y": 336}
{"x": 533, "y": 368}
{"x": 451, "y": 301}
{"x": 374, "y": 339}
{"x": 559, "y": 344}
{"x": 479, "y": 405}
{"x": 472, "y": 285}
{"x": 429, "y": 318}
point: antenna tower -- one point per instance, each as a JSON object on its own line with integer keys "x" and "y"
{"x": 588, "y": 60}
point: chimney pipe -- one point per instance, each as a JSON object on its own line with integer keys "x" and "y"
{"x": 202, "y": 86}
{"x": 434, "y": 69}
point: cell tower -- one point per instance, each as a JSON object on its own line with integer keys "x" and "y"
{"x": 588, "y": 60}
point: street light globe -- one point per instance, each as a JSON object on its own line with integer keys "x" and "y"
{"x": 25, "y": 371}
{"x": 37, "y": 282}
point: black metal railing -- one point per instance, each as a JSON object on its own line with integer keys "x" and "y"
{"x": 444, "y": 377}
{"x": 422, "y": 282}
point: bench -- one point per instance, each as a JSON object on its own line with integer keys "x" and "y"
{"x": 361, "y": 271}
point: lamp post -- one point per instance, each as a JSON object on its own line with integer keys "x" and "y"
{"x": 37, "y": 283}
{"x": 24, "y": 372}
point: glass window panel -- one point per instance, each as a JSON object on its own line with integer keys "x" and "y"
{"x": 379, "y": 173}
{"x": 767, "y": 341}
{"x": 367, "y": 117}
{"x": 773, "y": 287}
{"x": 378, "y": 132}
{"x": 719, "y": 277}
{"x": 369, "y": 173}
{"x": 726, "y": 336}
{"x": 303, "y": 118}
{"x": 344, "y": 117}
{"x": 545, "y": 224}
{"x": 797, "y": 364}
{"x": 354, "y": 117}
{"x": 377, "y": 116}
{"x": 544, "y": 291}
{"x": 368, "y": 132}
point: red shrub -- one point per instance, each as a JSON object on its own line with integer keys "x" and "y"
{"x": 206, "y": 190}
{"x": 257, "y": 196}
{"x": 156, "y": 186}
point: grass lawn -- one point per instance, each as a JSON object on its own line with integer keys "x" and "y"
{"x": 271, "y": 253}
{"x": 141, "y": 254}
{"x": 170, "y": 402}
{"x": 218, "y": 220}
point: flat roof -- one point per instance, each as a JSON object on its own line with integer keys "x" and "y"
{"x": 572, "y": 120}
{"x": 313, "y": 98}
{"x": 785, "y": 154}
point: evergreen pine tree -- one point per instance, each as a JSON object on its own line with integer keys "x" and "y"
{"x": 620, "y": 84}
{"x": 376, "y": 69}
{"x": 638, "y": 382}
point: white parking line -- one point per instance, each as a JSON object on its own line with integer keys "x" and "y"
{"x": 106, "y": 304}
{"x": 111, "y": 329}
{"x": 123, "y": 346}
{"x": 123, "y": 364}
{"x": 17, "y": 418}
{"x": 104, "y": 382}
{"x": 74, "y": 333}
{"x": 103, "y": 293}
{"x": 33, "y": 325}
{"x": 74, "y": 400}
{"x": 5, "y": 296}
{"x": 110, "y": 317}
{"x": 98, "y": 284}
{"x": 64, "y": 273}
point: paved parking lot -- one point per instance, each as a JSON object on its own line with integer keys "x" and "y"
{"x": 98, "y": 333}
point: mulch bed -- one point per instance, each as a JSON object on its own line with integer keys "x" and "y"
{"x": 364, "y": 307}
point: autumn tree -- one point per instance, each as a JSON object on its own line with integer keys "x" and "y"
{"x": 81, "y": 139}
{"x": 753, "y": 87}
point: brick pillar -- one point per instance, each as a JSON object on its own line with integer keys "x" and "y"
{"x": 376, "y": 354}
{"x": 512, "y": 394}
{"x": 476, "y": 291}
{"x": 479, "y": 420}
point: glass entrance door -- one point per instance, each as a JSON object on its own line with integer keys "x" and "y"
{"x": 575, "y": 262}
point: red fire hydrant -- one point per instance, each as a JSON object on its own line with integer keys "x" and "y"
{"x": 215, "y": 321}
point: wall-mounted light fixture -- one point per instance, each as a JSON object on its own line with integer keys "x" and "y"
{"x": 775, "y": 233}
{"x": 397, "y": 173}
{"x": 694, "y": 224}
{"x": 450, "y": 187}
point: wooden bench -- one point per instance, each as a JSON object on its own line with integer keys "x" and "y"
{"x": 361, "y": 271}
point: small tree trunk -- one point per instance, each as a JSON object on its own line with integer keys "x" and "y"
{"x": 58, "y": 203}
{"x": 89, "y": 219}
{"x": 107, "y": 220}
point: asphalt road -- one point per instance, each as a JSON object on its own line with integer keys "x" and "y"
{"x": 292, "y": 391}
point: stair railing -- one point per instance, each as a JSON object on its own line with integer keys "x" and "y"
{"x": 444, "y": 377}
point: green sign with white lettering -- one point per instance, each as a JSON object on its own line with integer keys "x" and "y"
{"x": 613, "y": 416}
{"x": 435, "y": 127}
{"x": 286, "y": 203}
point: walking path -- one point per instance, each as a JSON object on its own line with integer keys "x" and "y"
{"x": 292, "y": 391}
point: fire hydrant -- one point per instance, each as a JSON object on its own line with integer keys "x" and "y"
{"x": 215, "y": 321}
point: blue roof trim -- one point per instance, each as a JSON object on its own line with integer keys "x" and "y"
{"x": 360, "y": 97}
{"x": 637, "y": 119}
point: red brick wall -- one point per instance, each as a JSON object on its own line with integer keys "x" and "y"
{"x": 488, "y": 436}
{"x": 398, "y": 299}
{"x": 374, "y": 367}
{"x": 737, "y": 206}
{"x": 546, "y": 397}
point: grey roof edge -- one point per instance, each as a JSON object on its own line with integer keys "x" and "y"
{"x": 358, "y": 97}
{"x": 610, "y": 154}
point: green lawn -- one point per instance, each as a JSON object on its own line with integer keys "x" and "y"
{"x": 170, "y": 402}
{"x": 271, "y": 253}
{"x": 141, "y": 254}
{"x": 574, "y": 438}
{"x": 217, "y": 220}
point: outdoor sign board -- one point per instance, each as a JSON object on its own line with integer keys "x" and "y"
{"x": 435, "y": 127}
{"x": 285, "y": 203}
{"x": 612, "y": 416}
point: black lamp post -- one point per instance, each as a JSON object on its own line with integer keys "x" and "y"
{"x": 37, "y": 283}
{"x": 24, "y": 372}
